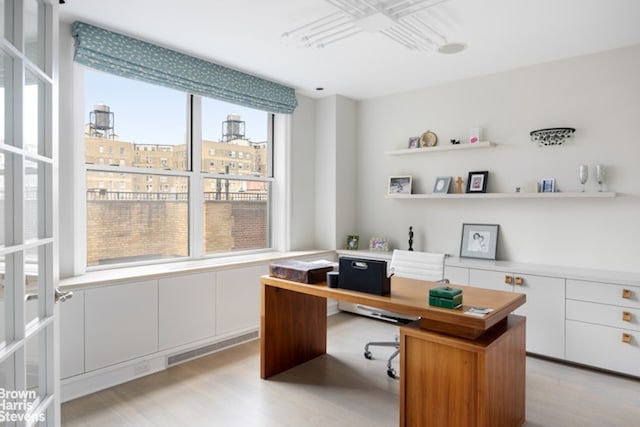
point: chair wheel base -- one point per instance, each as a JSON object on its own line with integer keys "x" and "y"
{"x": 392, "y": 373}
{"x": 368, "y": 355}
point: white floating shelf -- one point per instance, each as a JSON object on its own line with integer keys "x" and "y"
{"x": 448, "y": 147}
{"x": 559, "y": 195}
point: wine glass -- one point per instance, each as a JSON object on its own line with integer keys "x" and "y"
{"x": 584, "y": 176}
{"x": 600, "y": 176}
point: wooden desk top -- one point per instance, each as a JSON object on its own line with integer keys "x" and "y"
{"x": 411, "y": 297}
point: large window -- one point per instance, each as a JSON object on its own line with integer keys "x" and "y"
{"x": 172, "y": 175}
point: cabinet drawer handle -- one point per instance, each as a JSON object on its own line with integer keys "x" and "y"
{"x": 626, "y": 293}
{"x": 519, "y": 281}
{"x": 626, "y": 338}
{"x": 626, "y": 316}
{"x": 508, "y": 280}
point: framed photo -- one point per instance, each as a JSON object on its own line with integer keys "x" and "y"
{"x": 548, "y": 185}
{"x": 352, "y": 242}
{"x": 399, "y": 185}
{"x": 479, "y": 241}
{"x": 477, "y": 182}
{"x": 414, "y": 142}
{"x": 442, "y": 184}
{"x": 378, "y": 244}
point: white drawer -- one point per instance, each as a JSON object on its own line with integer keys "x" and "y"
{"x": 602, "y": 347}
{"x": 602, "y": 314}
{"x": 604, "y": 293}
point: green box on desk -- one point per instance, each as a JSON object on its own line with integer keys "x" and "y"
{"x": 445, "y": 297}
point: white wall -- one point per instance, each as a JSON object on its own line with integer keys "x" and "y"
{"x": 325, "y": 176}
{"x": 596, "y": 94}
{"x": 71, "y": 155}
{"x": 346, "y": 158}
{"x": 302, "y": 213}
{"x": 333, "y": 193}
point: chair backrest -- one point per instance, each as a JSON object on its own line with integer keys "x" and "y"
{"x": 417, "y": 265}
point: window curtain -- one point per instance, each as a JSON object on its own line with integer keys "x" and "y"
{"x": 128, "y": 57}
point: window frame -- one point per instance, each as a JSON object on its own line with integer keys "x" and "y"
{"x": 196, "y": 176}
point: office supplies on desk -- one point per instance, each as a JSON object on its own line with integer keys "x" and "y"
{"x": 364, "y": 275}
{"x": 445, "y": 297}
{"x": 301, "y": 271}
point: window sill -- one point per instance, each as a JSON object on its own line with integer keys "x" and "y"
{"x": 128, "y": 274}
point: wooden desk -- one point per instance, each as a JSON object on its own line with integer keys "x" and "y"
{"x": 293, "y": 330}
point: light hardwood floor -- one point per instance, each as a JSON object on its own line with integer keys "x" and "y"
{"x": 341, "y": 388}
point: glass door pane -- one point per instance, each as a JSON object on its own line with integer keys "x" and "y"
{"x": 33, "y": 33}
{"x": 34, "y": 291}
{"x": 3, "y": 310}
{"x": 6, "y": 92}
{"x": 3, "y": 205}
{"x": 32, "y": 203}
{"x": 33, "y": 127}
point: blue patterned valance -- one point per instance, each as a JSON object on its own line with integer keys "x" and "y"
{"x": 128, "y": 57}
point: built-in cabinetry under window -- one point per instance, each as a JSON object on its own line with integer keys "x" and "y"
{"x": 115, "y": 332}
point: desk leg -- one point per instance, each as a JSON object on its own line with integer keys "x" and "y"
{"x": 293, "y": 329}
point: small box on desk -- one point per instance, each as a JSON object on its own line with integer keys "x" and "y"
{"x": 364, "y": 275}
{"x": 301, "y": 271}
{"x": 445, "y": 297}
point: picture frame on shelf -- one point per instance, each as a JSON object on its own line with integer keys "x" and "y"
{"x": 477, "y": 182}
{"x": 353, "y": 242}
{"x": 548, "y": 185}
{"x": 479, "y": 241}
{"x": 379, "y": 244}
{"x": 414, "y": 142}
{"x": 399, "y": 185}
{"x": 441, "y": 186}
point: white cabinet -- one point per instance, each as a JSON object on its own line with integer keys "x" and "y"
{"x": 603, "y": 347}
{"x": 544, "y": 308}
{"x": 121, "y": 323}
{"x": 72, "y": 335}
{"x": 238, "y": 298}
{"x": 186, "y": 309}
{"x": 456, "y": 275}
{"x": 603, "y": 325}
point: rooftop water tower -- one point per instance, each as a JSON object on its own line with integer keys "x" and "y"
{"x": 101, "y": 121}
{"x": 232, "y": 128}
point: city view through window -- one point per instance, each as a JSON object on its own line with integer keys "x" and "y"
{"x": 141, "y": 177}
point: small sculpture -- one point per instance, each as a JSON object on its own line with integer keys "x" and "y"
{"x": 459, "y": 182}
{"x": 411, "y": 238}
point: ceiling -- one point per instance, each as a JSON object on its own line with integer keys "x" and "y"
{"x": 247, "y": 35}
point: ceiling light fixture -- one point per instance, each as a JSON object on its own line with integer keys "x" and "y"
{"x": 398, "y": 20}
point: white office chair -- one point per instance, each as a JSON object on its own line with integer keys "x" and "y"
{"x": 412, "y": 265}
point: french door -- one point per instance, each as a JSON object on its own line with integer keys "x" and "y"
{"x": 28, "y": 209}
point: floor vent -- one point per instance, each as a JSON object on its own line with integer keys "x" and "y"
{"x": 192, "y": 354}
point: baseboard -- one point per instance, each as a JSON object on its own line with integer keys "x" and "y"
{"x": 81, "y": 385}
